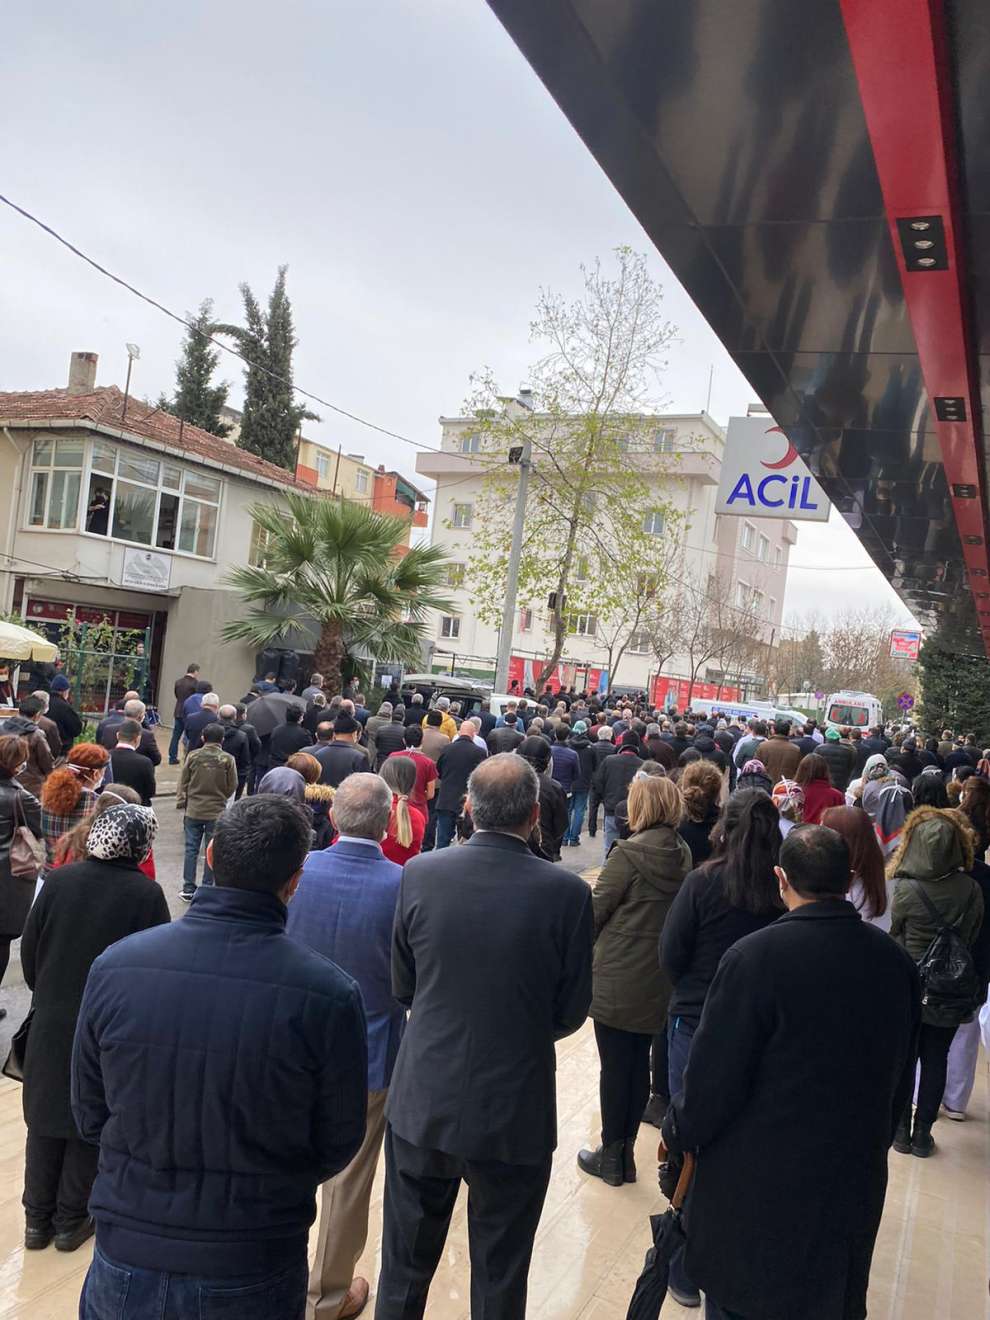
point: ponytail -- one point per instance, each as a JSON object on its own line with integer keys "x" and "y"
{"x": 399, "y": 772}
{"x": 403, "y": 822}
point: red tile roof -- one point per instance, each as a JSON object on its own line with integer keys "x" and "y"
{"x": 105, "y": 407}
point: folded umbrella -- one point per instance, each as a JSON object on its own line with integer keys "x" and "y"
{"x": 668, "y": 1235}
{"x": 268, "y": 712}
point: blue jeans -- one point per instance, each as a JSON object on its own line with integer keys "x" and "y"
{"x": 446, "y": 822}
{"x": 178, "y": 728}
{"x": 198, "y": 834}
{"x": 123, "y": 1292}
{"x": 578, "y": 806}
{"x": 679, "y": 1037}
{"x": 611, "y": 833}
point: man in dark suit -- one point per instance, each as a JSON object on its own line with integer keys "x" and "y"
{"x": 454, "y": 765}
{"x": 129, "y": 766}
{"x": 492, "y": 951}
{"x": 800, "y": 1069}
{"x": 208, "y": 713}
{"x": 133, "y": 709}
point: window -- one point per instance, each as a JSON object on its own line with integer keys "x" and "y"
{"x": 129, "y": 496}
{"x": 622, "y": 444}
{"x": 258, "y": 549}
{"x": 742, "y": 594}
{"x": 581, "y": 568}
{"x": 450, "y": 626}
{"x": 589, "y": 501}
{"x": 756, "y": 600}
{"x": 663, "y": 442}
{"x": 462, "y": 515}
{"x": 778, "y": 556}
{"x": 470, "y": 444}
{"x": 361, "y": 481}
{"x": 639, "y": 643}
{"x": 646, "y": 585}
{"x": 582, "y": 625}
{"x": 748, "y": 536}
{"x": 773, "y": 608}
{"x": 323, "y": 467}
{"x": 653, "y": 523}
{"x": 763, "y": 548}
{"x": 55, "y": 479}
{"x": 716, "y": 526}
{"x": 526, "y": 620}
{"x": 455, "y": 575}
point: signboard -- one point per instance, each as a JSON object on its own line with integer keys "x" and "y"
{"x": 905, "y": 701}
{"x": 667, "y": 692}
{"x": 763, "y": 476}
{"x": 525, "y": 673}
{"x": 145, "y": 570}
{"x": 905, "y": 644}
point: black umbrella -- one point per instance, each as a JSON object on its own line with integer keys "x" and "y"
{"x": 668, "y": 1235}
{"x": 268, "y": 712}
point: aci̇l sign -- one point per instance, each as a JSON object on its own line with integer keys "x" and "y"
{"x": 763, "y": 476}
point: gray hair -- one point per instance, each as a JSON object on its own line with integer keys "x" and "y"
{"x": 653, "y": 731}
{"x": 227, "y": 712}
{"x": 503, "y": 792}
{"x": 417, "y": 698}
{"x": 476, "y": 721}
{"x": 135, "y": 710}
{"x": 319, "y": 700}
{"x": 604, "y": 733}
{"x": 536, "y": 723}
{"x": 42, "y": 696}
{"x": 443, "y": 703}
{"x": 385, "y": 708}
{"x": 362, "y": 805}
{"x": 211, "y": 699}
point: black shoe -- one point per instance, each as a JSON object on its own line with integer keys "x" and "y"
{"x": 902, "y": 1137}
{"x": 69, "y": 1239}
{"x": 922, "y": 1144}
{"x": 656, "y": 1110}
{"x": 629, "y": 1160}
{"x": 606, "y": 1163}
{"x": 38, "y": 1235}
{"x": 187, "y": 895}
{"x": 691, "y": 1301}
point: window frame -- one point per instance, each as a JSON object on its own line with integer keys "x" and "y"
{"x": 469, "y": 443}
{"x": 763, "y": 545}
{"x": 590, "y": 628}
{"x": 526, "y": 618}
{"x": 322, "y": 462}
{"x": 639, "y": 642}
{"x": 778, "y": 556}
{"x": 126, "y": 453}
{"x": 362, "y": 475}
{"x": 650, "y": 517}
{"x": 450, "y": 627}
{"x": 462, "y": 526}
{"x": 748, "y": 538}
{"x": 665, "y": 440}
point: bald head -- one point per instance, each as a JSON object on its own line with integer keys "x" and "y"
{"x": 228, "y": 712}
{"x": 504, "y": 795}
{"x": 467, "y": 729}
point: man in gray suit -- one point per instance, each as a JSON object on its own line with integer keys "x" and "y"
{"x": 492, "y": 952}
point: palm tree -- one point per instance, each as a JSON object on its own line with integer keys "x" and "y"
{"x": 331, "y": 572}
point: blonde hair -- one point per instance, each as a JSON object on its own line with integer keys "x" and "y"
{"x": 654, "y": 800}
{"x": 399, "y": 772}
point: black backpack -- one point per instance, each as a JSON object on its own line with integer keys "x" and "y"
{"x": 949, "y": 982}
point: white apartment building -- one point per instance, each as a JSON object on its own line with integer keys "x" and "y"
{"x": 750, "y": 556}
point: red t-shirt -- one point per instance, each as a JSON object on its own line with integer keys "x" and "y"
{"x": 391, "y": 847}
{"x": 426, "y": 773}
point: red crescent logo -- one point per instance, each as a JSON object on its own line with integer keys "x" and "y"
{"x": 788, "y": 458}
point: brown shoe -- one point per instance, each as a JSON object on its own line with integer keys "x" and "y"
{"x": 356, "y": 1299}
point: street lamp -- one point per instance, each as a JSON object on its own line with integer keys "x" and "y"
{"x": 133, "y": 353}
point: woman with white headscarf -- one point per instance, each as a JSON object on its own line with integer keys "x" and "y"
{"x": 82, "y": 909}
{"x": 887, "y": 801}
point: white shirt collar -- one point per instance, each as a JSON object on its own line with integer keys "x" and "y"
{"x": 350, "y": 838}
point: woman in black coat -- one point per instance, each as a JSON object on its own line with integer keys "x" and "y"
{"x": 17, "y": 807}
{"x": 83, "y": 908}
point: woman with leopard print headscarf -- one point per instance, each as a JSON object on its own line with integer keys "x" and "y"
{"x": 82, "y": 909}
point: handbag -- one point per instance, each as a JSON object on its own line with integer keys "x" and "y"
{"x": 27, "y": 851}
{"x": 13, "y": 1066}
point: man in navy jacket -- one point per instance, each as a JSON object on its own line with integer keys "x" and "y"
{"x": 222, "y": 1068}
{"x": 344, "y": 909}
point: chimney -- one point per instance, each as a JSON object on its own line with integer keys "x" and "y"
{"x": 82, "y": 373}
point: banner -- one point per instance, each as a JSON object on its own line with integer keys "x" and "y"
{"x": 904, "y": 644}
{"x": 667, "y": 691}
{"x": 525, "y": 673}
{"x": 763, "y": 476}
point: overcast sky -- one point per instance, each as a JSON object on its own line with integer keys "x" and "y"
{"x": 399, "y": 155}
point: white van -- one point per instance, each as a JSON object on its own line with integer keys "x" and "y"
{"x": 853, "y": 710}
{"x": 745, "y": 710}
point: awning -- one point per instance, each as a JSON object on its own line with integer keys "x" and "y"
{"x": 17, "y": 643}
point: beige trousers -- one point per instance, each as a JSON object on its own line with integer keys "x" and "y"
{"x": 344, "y": 1220}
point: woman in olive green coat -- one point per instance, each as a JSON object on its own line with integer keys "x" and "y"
{"x": 932, "y": 862}
{"x": 633, "y": 894}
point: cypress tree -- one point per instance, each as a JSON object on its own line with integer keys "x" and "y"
{"x": 196, "y": 399}
{"x": 272, "y": 418}
{"x": 955, "y": 692}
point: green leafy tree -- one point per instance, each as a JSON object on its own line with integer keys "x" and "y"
{"x": 196, "y": 399}
{"x": 596, "y": 520}
{"x": 271, "y": 416}
{"x": 955, "y": 692}
{"x": 331, "y": 572}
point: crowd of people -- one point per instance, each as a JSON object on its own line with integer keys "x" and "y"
{"x": 784, "y": 949}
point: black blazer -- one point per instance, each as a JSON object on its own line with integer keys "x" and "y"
{"x": 492, "y": 951}
{"x": 455, "y": 764}
{"x": 134, "y": 770}
{"x": 808, "y": 1031}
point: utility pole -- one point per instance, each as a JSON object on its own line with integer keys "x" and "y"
{"x": 521, "y": 455}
